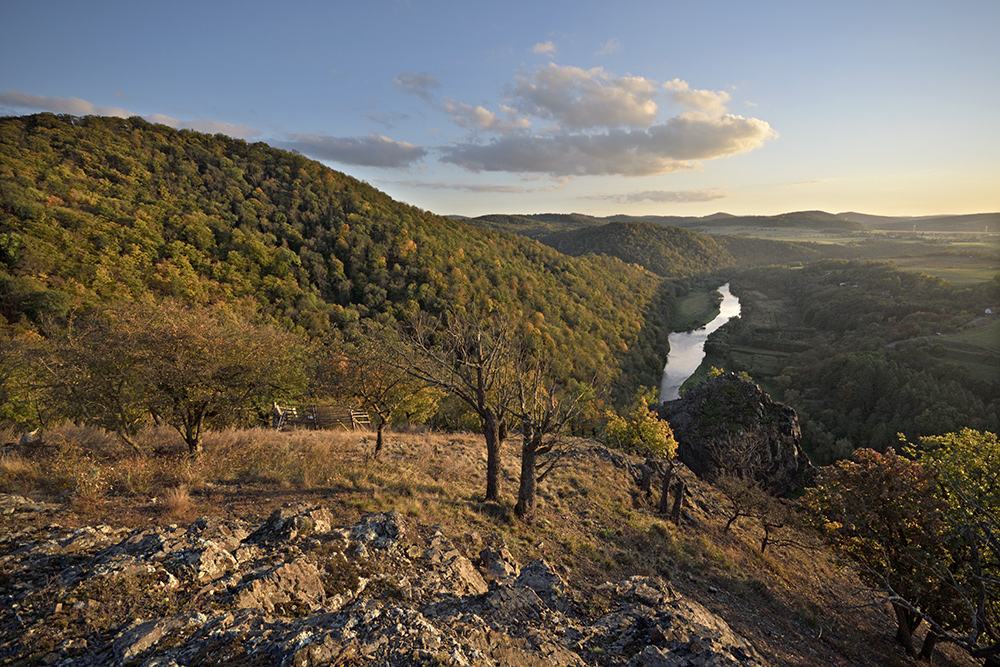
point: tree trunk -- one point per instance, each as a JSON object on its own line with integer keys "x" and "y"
{"x": 927, "y": 651}
{"x": 127, "y": 439}
{"x": 665, "y": 489}
{"x": 904, "y": 628}
{"x": 491, "y": 431}
{"x": 378, "y": 439}
{"x": 675, "y": 512}
{"x": 526, "y": 492}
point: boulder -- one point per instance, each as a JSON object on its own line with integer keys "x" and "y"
{"x": 727, "y": 424}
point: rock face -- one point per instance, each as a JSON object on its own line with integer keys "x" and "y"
{"x": 728, "y": 424}
{"x": 300, "y": 591}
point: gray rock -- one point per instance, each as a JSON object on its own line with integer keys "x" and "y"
{"x": 499, "y": 565}
{"x": 283, "y": 589}
{"x": 539, "y": 576}
{"x": 729, "y": 424}
{"x": 380, "y": 530}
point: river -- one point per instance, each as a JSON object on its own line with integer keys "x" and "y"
{"x": 687, "y": 348}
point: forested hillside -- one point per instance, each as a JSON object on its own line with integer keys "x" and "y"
{"x": 95, "y": 210}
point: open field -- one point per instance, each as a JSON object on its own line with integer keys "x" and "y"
{"x": 695, "y": 310}
{"x": 959, "y": 269}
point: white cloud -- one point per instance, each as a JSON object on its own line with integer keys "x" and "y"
{"x": 78, "y": 107}
{"x": 544, "y": 48}
{"x": 665, "y": 196}
{"x": 481, "y": 118}
{"x": 609, "y": 47}
{"x": 579, "y": 99}
{"x": 466, "y": 115}
{"x": 417, "y": 83}
{"x": 71, "y": 105}
{"x": 370, "y": 151}
{"x": 711, "y": 102}
{"x": 673, "y": 146}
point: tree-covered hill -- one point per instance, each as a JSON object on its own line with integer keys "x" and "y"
{"x": 675, "y": 252}
{"x": 667, "y": 251}
{"x": 106, "y": 209}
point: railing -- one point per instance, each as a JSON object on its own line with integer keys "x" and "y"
{"x": 320, "y": 417}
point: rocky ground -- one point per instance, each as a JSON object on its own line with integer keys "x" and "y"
{"x": 335, "y": 559}
{"x": 298, "y": 590}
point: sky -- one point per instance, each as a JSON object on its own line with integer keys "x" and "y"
{"x": 887, "y": 107}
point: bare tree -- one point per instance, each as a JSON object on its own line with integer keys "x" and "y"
{"x": 469, "y": 356}
{"x": 543, "y": 408}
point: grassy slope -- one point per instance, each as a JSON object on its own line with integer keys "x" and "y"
{"x": 793, "y": 603}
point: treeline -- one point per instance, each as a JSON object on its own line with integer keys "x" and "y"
{"x": 863, "y": 365}
{"x": 96, "y": 210}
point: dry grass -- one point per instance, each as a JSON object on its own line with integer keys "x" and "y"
{"x": 177, "y": 503}
{"x": 592, "y": 525}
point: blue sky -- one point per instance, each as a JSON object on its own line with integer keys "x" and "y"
{"x": 647, "y": 108}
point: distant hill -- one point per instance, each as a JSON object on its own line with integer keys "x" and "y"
{"x": 541, "y": 225}
{"x": 976, "y": 222}
{"x": 669, "y": 251}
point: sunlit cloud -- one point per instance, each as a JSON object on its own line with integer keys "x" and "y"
{"x": 712, "y": 102}
{"x": 577, "y": 98}
{"x": 609, "y": 47}
{"x": 79, "y": 107}
{"x": 480, "y": 118}
{"x": 664, "y": 196}
{"x": 369, "y": 151}
{"x": 677, "y": 145}
{"x": 417, "y": 83}
{"x": 544, "y": 48}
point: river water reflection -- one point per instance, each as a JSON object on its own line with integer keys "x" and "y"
{"x": 687, "y": 349}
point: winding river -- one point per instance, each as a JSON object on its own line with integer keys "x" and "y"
{"x": 687, "y": 348}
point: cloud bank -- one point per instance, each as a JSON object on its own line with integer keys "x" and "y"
{"x": 676, "y": 145}
{"x": 370, "y": 151}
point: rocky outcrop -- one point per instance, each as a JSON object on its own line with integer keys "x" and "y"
{"x": 730, "y": 425}
{"x": 300, "y": 591}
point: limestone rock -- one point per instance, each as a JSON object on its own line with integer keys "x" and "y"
{"x": 539, "y": 576}
{"x": 729, "y": 424}
{"x": 292, "y": 521}
{"x": 282, "y": 587}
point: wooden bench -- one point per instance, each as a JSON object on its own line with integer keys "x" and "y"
{"x": 320, "y": 417}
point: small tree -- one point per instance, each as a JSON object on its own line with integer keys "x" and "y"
{"x": 640, "y": 431}
{"x": 364, "y": 371}
{"x": 881, "y": 513}
{"x": 100, "y": 372}
{"x": 967, "y": 465}
{"x": 213, "y": 366}
{"x": 188, "y": 365}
